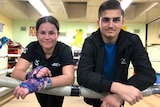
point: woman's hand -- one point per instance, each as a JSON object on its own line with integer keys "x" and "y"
{"x": 39, "y": 72}
{"x": 32, "y": 85}
{"x": 44, "y": 72}
{"x": 20, "y": 92}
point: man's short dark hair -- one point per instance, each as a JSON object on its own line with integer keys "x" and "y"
{"x": 109, "y": 5}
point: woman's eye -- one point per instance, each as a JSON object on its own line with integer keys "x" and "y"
{"x": 42, "y": 33}
{"x": 51, "y": 33}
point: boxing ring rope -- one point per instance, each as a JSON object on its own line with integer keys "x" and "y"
{"x": 73, "y": 90}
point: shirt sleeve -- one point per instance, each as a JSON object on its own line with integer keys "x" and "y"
{"x": 28, "y": 52}
{"x": 66, "y": 56}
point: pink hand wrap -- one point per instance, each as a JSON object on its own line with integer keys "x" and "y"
{"x": 36, "y": 84}
{"x": 33, "y": 73}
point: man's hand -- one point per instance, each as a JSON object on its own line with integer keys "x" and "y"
{"x": 129, "y": 93}
{"x": 111, "y": 100}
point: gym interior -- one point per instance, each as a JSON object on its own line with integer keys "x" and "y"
{"x": 76, "y": 17}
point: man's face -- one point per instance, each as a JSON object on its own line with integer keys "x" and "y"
{"x": 110, "y": 24}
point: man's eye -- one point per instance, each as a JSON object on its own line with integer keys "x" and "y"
{"x": 105, "y": 19}
{"x": 116, "y": 20}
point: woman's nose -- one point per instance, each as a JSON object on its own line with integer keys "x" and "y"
{"x": 46, "y": 36}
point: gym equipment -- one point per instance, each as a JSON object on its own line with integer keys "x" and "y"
{"x": 72, "y": 90}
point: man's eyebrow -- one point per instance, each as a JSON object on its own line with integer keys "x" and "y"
{"x": 110, "y": 18}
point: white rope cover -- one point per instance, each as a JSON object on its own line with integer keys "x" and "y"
{"x": 72, "y": 90}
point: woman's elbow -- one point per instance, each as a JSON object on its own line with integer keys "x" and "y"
{"x": 72, "y": 79}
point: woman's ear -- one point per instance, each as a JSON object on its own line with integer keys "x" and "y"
{"x": 58, "y": 33}
{"x": 37, "y": 35}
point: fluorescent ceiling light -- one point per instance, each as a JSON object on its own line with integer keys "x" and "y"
{"x": 125, "y": 3}
{"x": 38, "y": 5}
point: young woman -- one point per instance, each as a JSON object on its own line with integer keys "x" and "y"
{"x": 52, "y": 61}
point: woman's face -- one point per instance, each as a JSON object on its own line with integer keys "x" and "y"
{"x": 47, "y": 35}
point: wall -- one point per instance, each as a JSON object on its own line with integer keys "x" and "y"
{"x": 154, "y": 50}
{"x": 7, "y": 31}
{"x": 134, "y": 28}
{"x": 66, "y": 27}
{"x": 68, "y": 30}
{"x": 154, "y": 33}
{"x": 20, "y": 35}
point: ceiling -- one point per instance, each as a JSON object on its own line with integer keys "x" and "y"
{"x": 140, "y": 11}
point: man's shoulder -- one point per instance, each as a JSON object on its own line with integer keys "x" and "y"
{"x": 129, "y": 35}
{"x": 94, "y": 36}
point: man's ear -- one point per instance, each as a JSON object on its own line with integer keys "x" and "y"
{"x": 98, "y": 22}
{"x": 123, "y": 21}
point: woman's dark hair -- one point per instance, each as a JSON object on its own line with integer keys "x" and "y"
{"x": 50, "y": 19}
{"x": 109, "y": 5}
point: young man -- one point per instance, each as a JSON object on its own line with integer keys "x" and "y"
{"x": 105, "y": 60}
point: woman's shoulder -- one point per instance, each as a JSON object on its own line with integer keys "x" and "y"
{"x": 62, "y": 44}
{"x": 33, "y": 44}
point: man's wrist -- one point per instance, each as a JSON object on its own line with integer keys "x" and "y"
{"x": 115, "y": 87}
